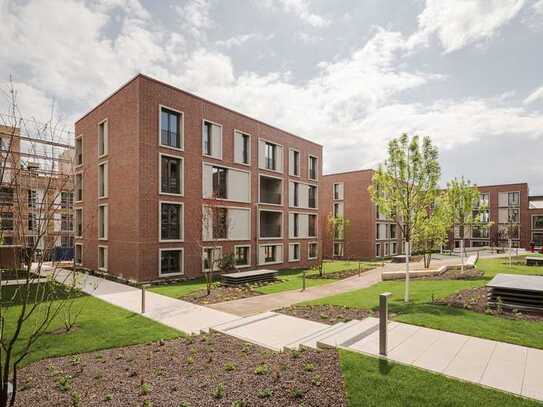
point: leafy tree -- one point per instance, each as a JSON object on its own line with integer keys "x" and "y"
{"x": 338, "y": 230}
{"x": 467, "y": 210}
{"x": 405, "y": 186}
{"x": 433, "y": 231}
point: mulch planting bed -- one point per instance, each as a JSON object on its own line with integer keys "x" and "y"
{"x": 327, "y": 314}
{"x": 338, "y": 275}
{"x": 205, "y": 370}
{"x": 467, "y": 274}
{"x": 220, "y": 294}
{"x": 475, "y": 299}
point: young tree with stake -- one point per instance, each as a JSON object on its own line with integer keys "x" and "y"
{"x": 405, "y": 186}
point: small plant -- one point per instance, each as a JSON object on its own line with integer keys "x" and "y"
{"x": 265, "y": 394}
{"x": 189, "y": 340}
{"x": 309, "y": 367}
{"x": 295, "y": 354}
{"x": 108, "y": 397}
{"x": 246, "y": 348}
{"x": 238, "y": 403}
{"x": 183, "y": 404}
{"x": 65, "y": 383}
{"x": 147, "y": 403}
{"x": 145, "y": 389}
{"x": 99, "y": 356}
{"x": 190, "y": 360}
{"x": 98, "y": 375}
{"x": 262, "y": 369}
{"x": 316, "y": 380}
{"x": 229, "y": 366}
{"x": 219, "y": 391}
{"x": 76, "y": 360}
{"x": 76, "y": 399}
{"x": 499, "y": 305}
{"x": 296, "y": 393}
{"x": 323, "y": 316}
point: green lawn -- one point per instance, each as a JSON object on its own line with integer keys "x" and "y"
{"x": 373, "y": 382}
{"x": 99, "y": 326}
{"x": 420, "y": 311}
{"x": 290, "y": 279}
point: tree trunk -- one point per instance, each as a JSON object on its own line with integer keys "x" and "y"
{"x": 407, "y": 258}
{"x": 462, "y": 255}
{"x": 510, "y": 253}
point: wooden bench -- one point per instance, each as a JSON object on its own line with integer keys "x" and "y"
{"x": 248, "y": 277}
{"x": 534, "y": 261}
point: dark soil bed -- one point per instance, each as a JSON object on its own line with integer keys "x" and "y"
{"x": 327, "y": 314}
{"x": 338, "y": 275}
{"x": 220, "y": 294}
{"x": 475, "y": 299}
{"x": 209, "y": 370}
{"x": 468, "y": 274}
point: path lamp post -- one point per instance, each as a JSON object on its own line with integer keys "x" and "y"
{"x": 143, "y": 287}
{"x": 383, "y": 322}
{"x": 303, "y": 280}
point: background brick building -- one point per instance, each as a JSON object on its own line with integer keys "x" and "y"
{"x": 159, "y": 170}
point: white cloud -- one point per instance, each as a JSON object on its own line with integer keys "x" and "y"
{"x": 195, "y": 17}
{"x": 538, "y": 7}
{"x": 239, "y": 40}
{"x": 534, "y": 96}
{"x": 299, "y": 8}
{"x": 463, "y": 22}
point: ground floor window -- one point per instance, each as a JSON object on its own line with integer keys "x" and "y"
{"x": 312, "y": 251}
{"x": 378, "y": 250}
{"x": 338, "y": 249}
{"x": 211, "y": 257}
{"x": 537, "y": 238}
{"x": 242, "y": 255}
{"x": 294, "y": 252}
{"x": 270, "y": 254}
{"x": 480, "y": 243}
{"x": 78, "y": 256}
{"x": 171, "y": 262}
{"x": 102, "y": 257}
{"x": 393, "y": 248}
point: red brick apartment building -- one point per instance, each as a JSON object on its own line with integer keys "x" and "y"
{"x": 153, "y": 162}
{"x": 369, "y": 234}
{"x": 535, "y": 212}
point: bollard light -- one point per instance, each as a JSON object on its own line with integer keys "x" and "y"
{"x": 383, "y": 322}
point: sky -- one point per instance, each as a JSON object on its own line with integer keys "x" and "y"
{"x": 350, "y": 74}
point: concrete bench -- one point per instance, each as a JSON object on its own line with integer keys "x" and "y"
{"x": 248, "y": 277}
{"x": 470, "y": 264}
{"x": 534, "y": 261}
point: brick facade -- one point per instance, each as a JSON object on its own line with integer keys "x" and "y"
{"x": 133, "y": 246}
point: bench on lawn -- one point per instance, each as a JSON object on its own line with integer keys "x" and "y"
{"x": 534, "y": 261}
{"x": 248, "y": 277}
{"x": 516, "y": 291}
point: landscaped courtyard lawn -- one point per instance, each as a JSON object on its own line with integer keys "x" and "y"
{"x": 99, "y": 326}
{"x": 290, "y": 279}
{"x": 375, "y": 382}
{"x": 421, "y": 311}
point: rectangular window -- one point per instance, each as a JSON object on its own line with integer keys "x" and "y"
{"x": 102, "y": 258}
{"x": 207, "y": 139}
{"x": 296, "y": 193}
{"x": 242, "y": 255}
{"x": 270, "y": 224}
{"x": 296, "y": 224}
{"x": 312, "y": 196}
{"x": 270, "y": 254}
{"x": 171, "y": 262}
{"x": 102, "y": 180}
{"x": 336, "y": 191}
{"x": 79, "y": 187}
{"x": 312, "y": 167}
{"x": 79, "y": 151}
{"x": 79, "y": 222}
{"x": 295, "y": 163}
{"x": 102, "y": 139}
{"x": 67, "y": 241}
{"x": 170, "y": 128}
{"x": 211, "y": 257}
{"x": 7, "y": 220}
{"x": 242, "y": 148}
{"x": 66, "y": 200}
{"x": 392, "y": 232}
{"x": 171, "y": 175}
{"x": 78, "y": 255}
{"x": 294, "y": 252}
{"x": 220, "y": 182}
{"x": 32, "y": 199}
{"x": 171, "y": 221}
{"x": 220, "y": 223}
{"x": 393, "y": 249}
{"x": 270, "y": 156}
{"x": 514, "y": 215}
{"x": 245, "y": 148}
{"x": 336, "y": 210}
{"x": 513, "y": 198}
{"x": 537, "y": 238}
{"x": 271, "y": 189}
{"x": 32, "y": 224}
{"x": 378, "y": 250}
{"x": 312, "y": 251}
{"x": 338, "y": 249}
{"x": 537, "y": 222}
{"x": 312, "y": 228}
{"x": 102, "y": 222}
{"x": 66, "y": 222}
{"x": 212, "y": 140}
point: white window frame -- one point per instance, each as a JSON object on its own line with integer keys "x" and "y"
{"x": 104, "y": 122}
{"x": 278, "y": 261}
{"x": 339, "y": 242}
{"x": 532, "y": 222}
{"x": 291, "y": 173}
{"x": 181, "y": 130}
{"x": 316, "y": 186}
{"x": 182, "y": 263}
{"x": 283, "y": 156}
{"x": 282, "y": 224}
{"x": 222, "y": 139}
{"x": 316, "y": 225}
{"x": 333, "y": 191}
{"x": 106, "y": 221}
{"x": 309, "y": 251}
{"x": 248, "y": 256}
{"x": 106, "y": 259}
{"x": 250, "y": 146}
{"x": 104, "y": 164}
{"x": 204, "y": 270}
{"x": 292, "y": 259}
{"x": 181, "y": 220}
{"x": 77, "y": 138}
{"x": 82, "y": 185}
{"x": 75, "y": 223}
{"x": 81, "y": 251}
{"x": 178, "y": 157}
{"x": 282, "y": 189}
{"x": 309, "y": 156}
{"x": 229, "y": 168}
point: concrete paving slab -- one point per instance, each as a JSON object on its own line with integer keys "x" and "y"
{"x": 506, "y": 367}
{"x": 472, "y": 359}
{"x": 415, "y": 346}
{"x": 439, "y": 354}
{"x": 533, "y": 375}
{"x": 349, "y": 331}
